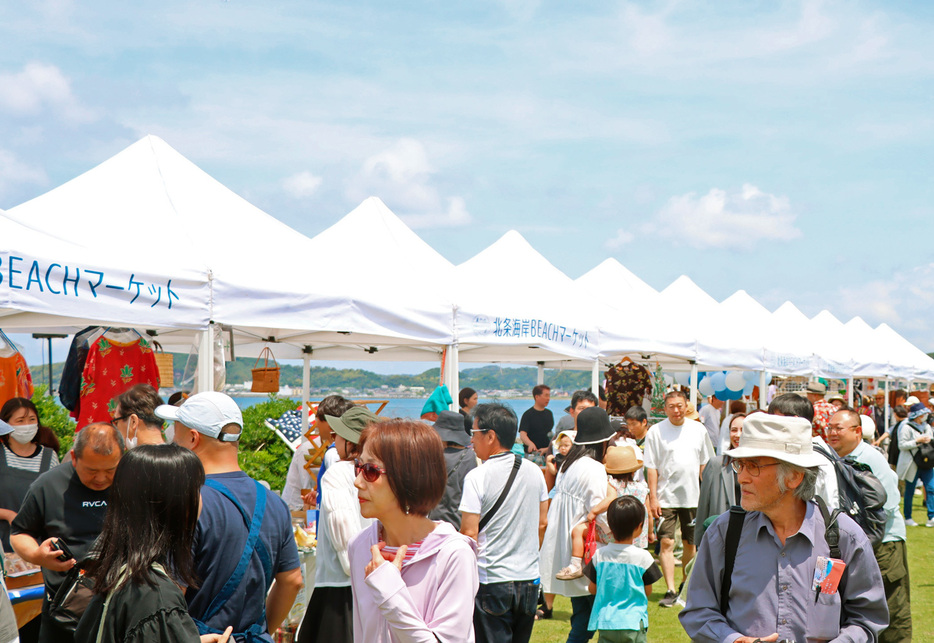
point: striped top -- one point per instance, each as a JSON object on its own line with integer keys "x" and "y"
{"x": 29, "y": 463}
{"x": 389, "y": 553}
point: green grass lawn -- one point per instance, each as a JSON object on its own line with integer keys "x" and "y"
{"x": 664, "y": 624}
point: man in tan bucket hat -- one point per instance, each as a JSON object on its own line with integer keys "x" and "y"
{"x": 767, "y": 587}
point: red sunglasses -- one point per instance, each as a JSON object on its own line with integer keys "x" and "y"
{"x": 370, "y": 471}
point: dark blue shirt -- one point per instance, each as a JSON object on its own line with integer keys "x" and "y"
{"x": 219, "y": 542}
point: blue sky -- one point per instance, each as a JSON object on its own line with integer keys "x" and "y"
{"x": 784, "y": 148}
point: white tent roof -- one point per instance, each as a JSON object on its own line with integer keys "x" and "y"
{"x": 613, "y": 280}
{"x": 908, "y": 360}
{"x": 153, "y": 212}
{"x": 514, "y": 306}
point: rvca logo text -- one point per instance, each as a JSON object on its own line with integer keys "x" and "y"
{"x": 96, "y": 503}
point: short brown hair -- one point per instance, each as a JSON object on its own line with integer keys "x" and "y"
{"x": 539, "y": 389}
{"x": 413, "y": 456}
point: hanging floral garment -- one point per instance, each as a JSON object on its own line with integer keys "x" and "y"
{"x": 626, "y": 384}
{"x": 111, "y": 368}
{"x": 15, "y": 378}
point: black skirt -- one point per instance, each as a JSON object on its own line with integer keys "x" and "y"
{"x": 329, "y": 616}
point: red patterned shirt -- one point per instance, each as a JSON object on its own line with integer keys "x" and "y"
{"x": 112, "y": 368}
{"x": 823, "y": 410}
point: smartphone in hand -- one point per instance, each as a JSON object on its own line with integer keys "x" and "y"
{"x": 60, "y": 545}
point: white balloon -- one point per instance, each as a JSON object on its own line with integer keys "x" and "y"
{"x": 705, "y": 387}
{"x": 735, "y": 381}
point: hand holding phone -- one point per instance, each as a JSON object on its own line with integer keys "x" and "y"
{"x": 60, "y": 545}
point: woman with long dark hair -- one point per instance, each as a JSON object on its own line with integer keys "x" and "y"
{"x": 23, "y": 458}
{"x": 580, "y": 486}
{"x": 145, "y": 551}
{"x": 413, "y": 579}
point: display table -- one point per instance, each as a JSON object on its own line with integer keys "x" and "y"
{"x": 26, "y": 594}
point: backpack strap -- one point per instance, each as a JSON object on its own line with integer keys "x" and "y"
{"x": 253, "y": 544}
{"x": 831, "y": 528}
{"x": 733, "y": 531}
{"x": 502, "y": 497}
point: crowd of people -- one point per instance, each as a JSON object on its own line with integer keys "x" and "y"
{"x": 465, "y": 525}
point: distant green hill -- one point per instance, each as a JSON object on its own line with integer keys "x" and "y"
{"x": 322, "y": 377}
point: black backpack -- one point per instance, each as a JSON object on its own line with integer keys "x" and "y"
{"x": 861, "y": 495}
{"x": 893, "y": 443}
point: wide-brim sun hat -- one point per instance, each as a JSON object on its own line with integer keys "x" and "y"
{"x": 450, "y": 428}
{"x": 917, "y": 410}
{"x": 622, "y": 459}
{"x": 593, "y": 426}
{"x": 816, "y": 388}
{"x": 784, "y": 438}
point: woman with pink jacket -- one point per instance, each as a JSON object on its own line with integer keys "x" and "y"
{"x": 413, "y": 579}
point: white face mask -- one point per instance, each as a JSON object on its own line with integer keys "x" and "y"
{"x": 24, "y": 433}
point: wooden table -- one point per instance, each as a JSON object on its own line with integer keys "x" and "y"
{"x": 27, "y": 610}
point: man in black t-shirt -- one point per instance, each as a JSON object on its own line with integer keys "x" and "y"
{"x": 537, "y": 422}
{"x": 67, "y": 503}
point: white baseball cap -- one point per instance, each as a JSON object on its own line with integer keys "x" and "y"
{"x": 207, "y": 413}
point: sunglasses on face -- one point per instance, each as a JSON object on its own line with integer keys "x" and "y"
{"x": 370, "y": 471}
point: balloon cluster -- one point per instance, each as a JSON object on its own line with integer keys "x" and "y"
{"x": 724, "y": 385}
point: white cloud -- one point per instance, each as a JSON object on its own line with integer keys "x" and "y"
{"x": 455, "y": 215}
{"x": 14, "y": 173}
{"x": 302, "y": 185}
{"x": 722, "y": 219}
{"x": 403, "y": 177}
{"x": 39, "y": 86}
{"x": 622, "y": 238}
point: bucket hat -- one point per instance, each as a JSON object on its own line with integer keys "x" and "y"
{"x": 784, "y": 438}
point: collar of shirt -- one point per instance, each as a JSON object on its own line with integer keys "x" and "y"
{"x": 808, "y": 528}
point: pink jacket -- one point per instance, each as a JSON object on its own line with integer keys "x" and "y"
{"x": 431, "y": 600}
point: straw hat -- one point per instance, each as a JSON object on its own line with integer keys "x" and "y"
{"x": 622, "y": 459}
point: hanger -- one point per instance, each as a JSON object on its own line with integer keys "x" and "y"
{"x": 8, "y": 342}
{"x": 626, "y": 358}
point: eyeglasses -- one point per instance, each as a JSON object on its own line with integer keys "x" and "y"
{"x": 370, "y": 471}
{"x": 118, "y": 419}
{"x": 752, "y": 468}
{"x": 839, "y": 429}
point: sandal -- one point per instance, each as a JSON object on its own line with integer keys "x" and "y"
{"x": 542, "y": 613}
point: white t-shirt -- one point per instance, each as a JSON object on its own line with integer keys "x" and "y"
{"x": 677, "y": 452}
{"x": 710, "y": 417}
{"x": 339, "y": 521}
{"x": 508, "y": 545}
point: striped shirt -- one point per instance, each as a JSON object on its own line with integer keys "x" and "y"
{"x": 30, "y": 462}
{"x": 389, "y": 553}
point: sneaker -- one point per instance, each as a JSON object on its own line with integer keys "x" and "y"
{"x": 910, "y": 523}
{"x": 668, "y": 600}
{"x": 929, "y": 523}
{"x": 569, "y": 573}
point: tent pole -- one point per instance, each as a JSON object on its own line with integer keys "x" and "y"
{"x": 886, "y": 405}
{"x": 694, "y": 384}
{"x": 849, "y": 392}
{"x": 541, "y": 373}
{"x": 762, "y": 390}
{"x": 306, "y": 385}
{"x": 206, "y": 360}
{"x": 453, "y": 375}
{"x": 595, "y": 378}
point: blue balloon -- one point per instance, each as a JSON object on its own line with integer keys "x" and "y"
{"x": 718, "y": 381}
{"x": 748, "y": 389}
{"x": 751, "y": 376}
{"x": 727, "y": 395}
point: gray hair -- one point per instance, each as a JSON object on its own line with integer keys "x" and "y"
{"x": 805, "y": 490}
{"x": 101, "y": 438}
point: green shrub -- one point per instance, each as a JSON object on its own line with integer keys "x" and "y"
{"x": 263, "y": 455}
{"x": 55, "y": 416}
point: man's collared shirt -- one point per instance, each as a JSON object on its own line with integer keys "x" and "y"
{"x": 771, "y": 585}
{"x": 895, "y": 523}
